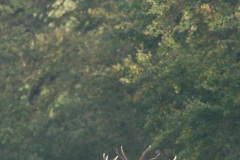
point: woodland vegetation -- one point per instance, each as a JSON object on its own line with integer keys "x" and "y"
{"x": 81, "y": 77}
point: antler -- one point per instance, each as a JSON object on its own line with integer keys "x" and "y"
{"x": 123, "y": 156}
{"x": 145, "y": 152}
{"x": 106, "y": 157}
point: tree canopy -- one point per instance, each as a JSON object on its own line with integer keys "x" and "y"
{"x": 79, "y": 78}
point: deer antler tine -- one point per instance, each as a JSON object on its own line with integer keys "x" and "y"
{"x": 175, "y": 158}
{"x": 155, "y": 157}
{"x": 104, "y": 157}
{"x": 123, "y": 154}
{"x": 115, "y": 158}
{"x": 144, "y": 153}
{"x": 119, "y": 155}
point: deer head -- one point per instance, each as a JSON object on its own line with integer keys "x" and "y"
{"x": 123, "y": 156}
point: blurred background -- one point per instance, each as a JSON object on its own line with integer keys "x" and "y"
{"x": 82, "y": 77}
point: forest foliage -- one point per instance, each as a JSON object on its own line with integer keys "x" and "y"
{"x": 79, "y": 78}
